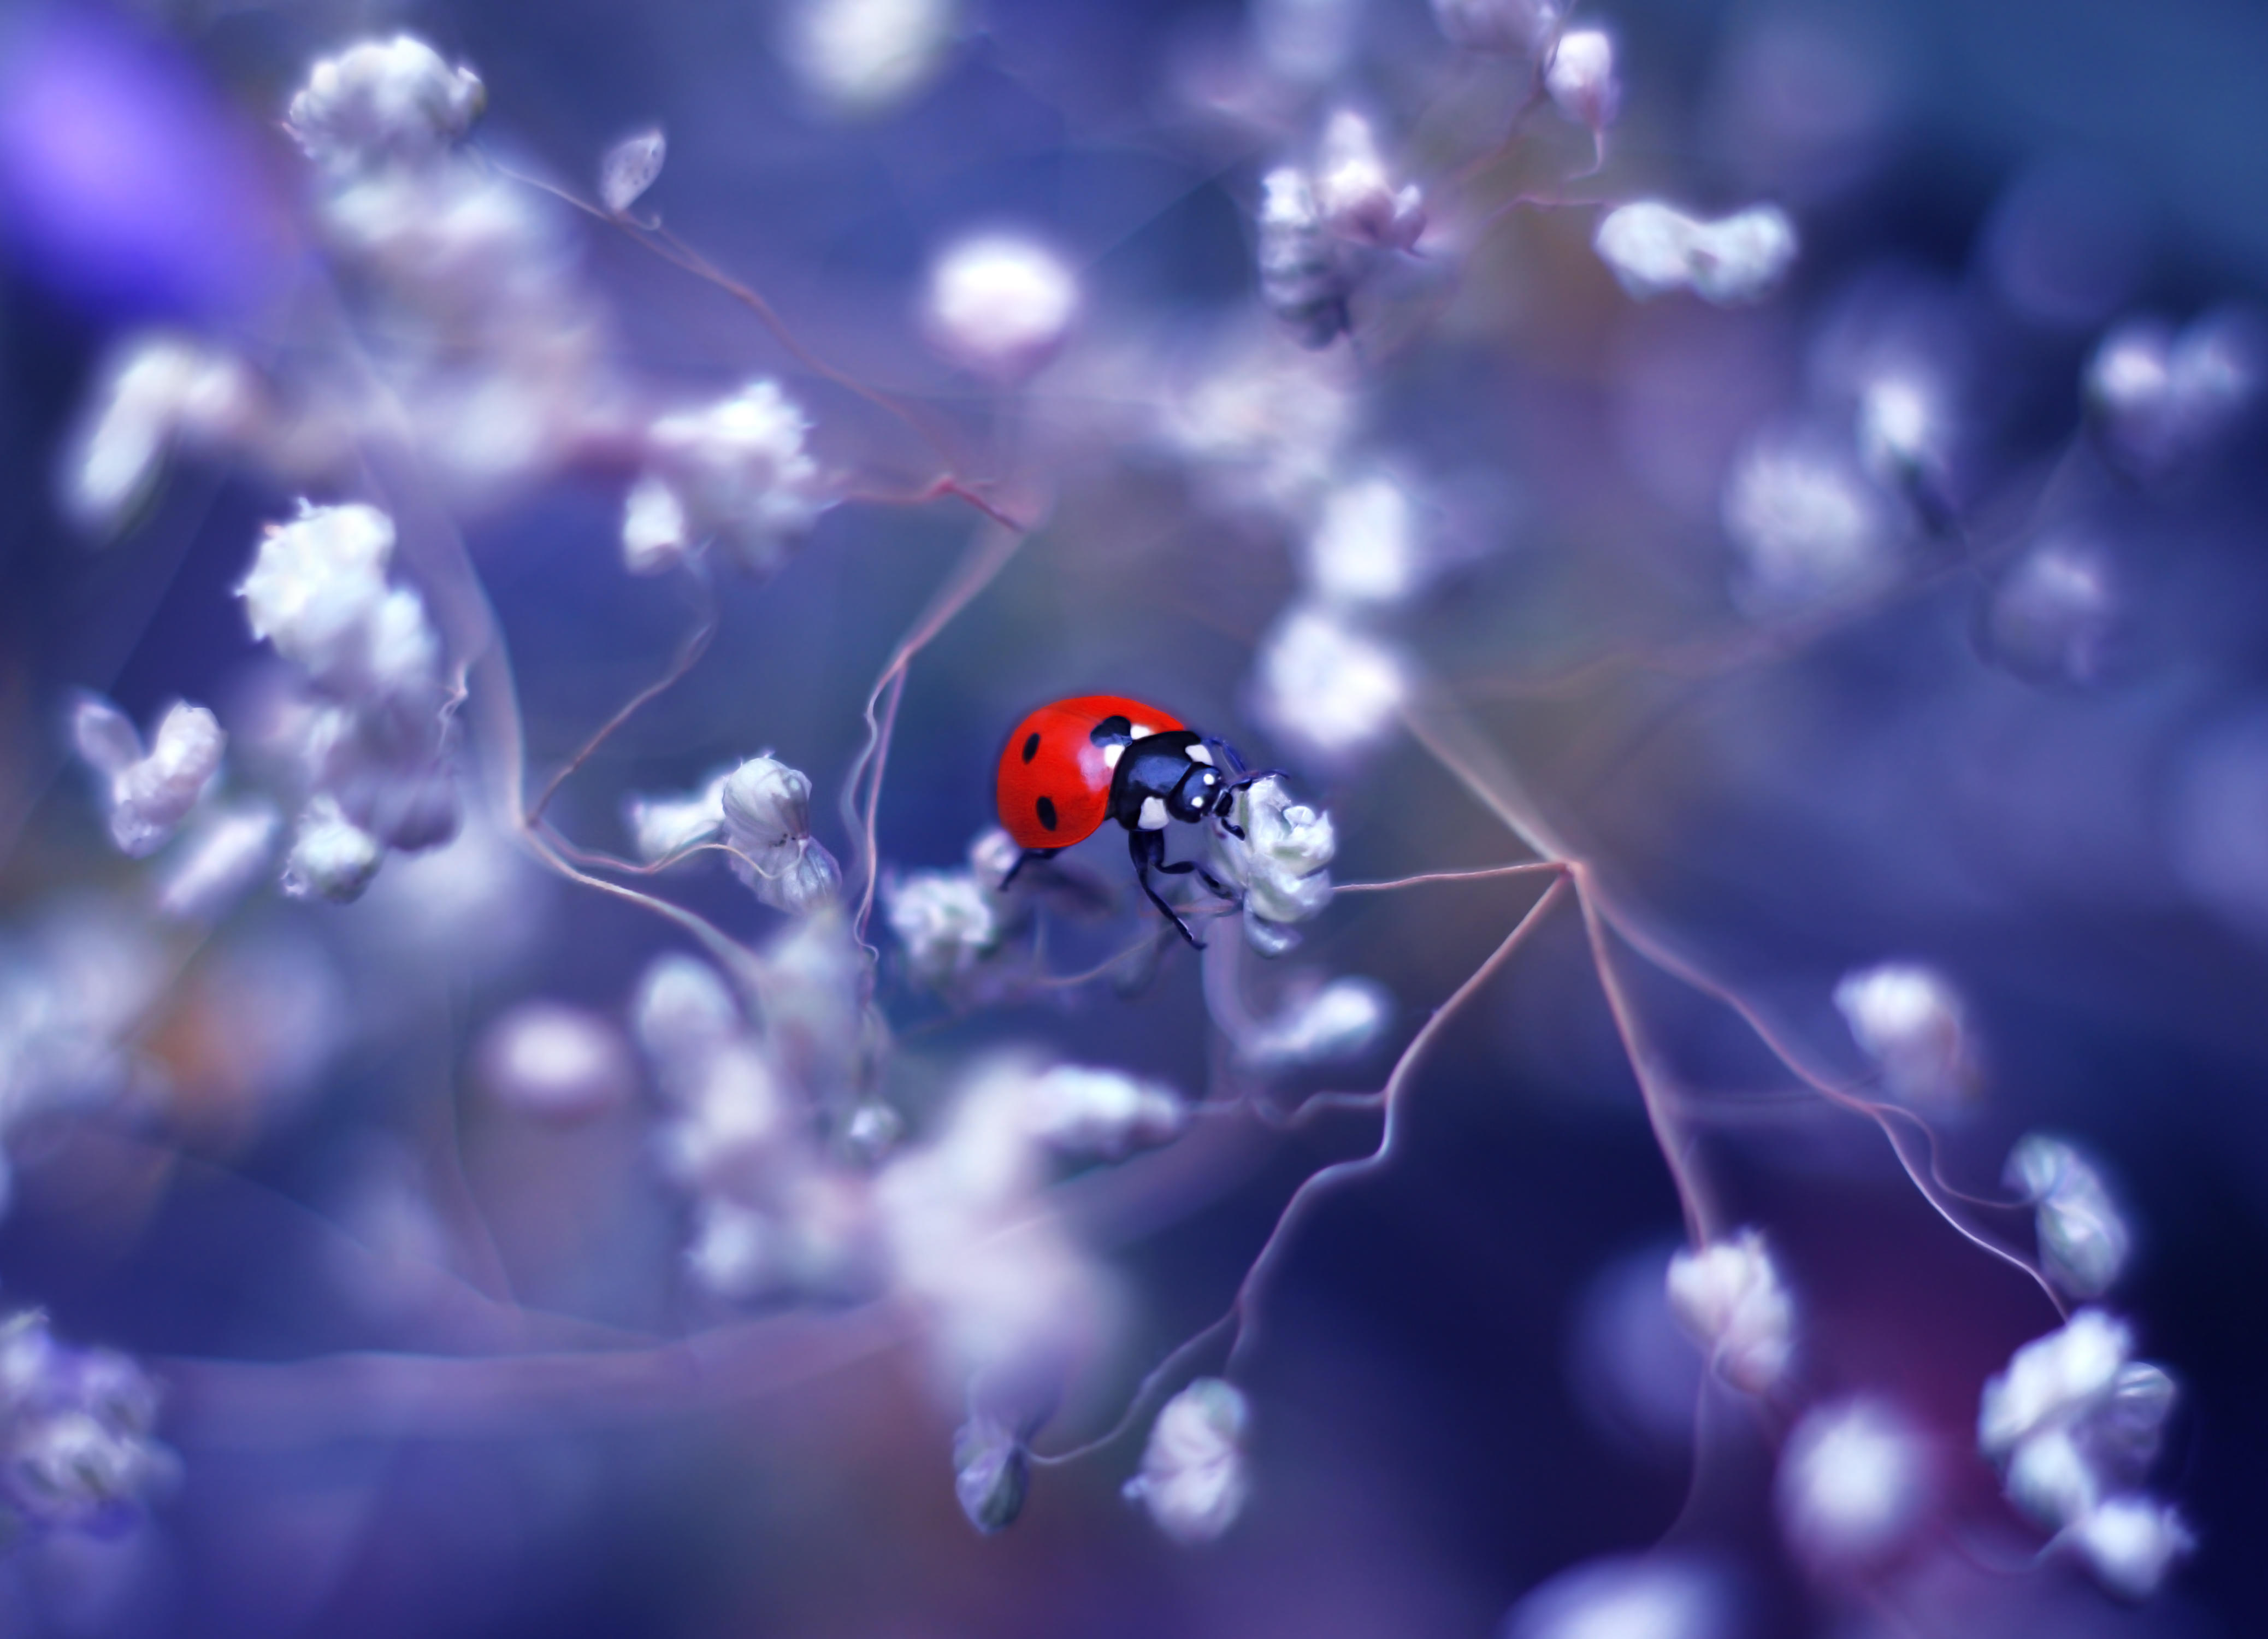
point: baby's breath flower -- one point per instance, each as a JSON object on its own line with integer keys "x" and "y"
{"x": 947, "y": 921}
{"x": 1729, "y": 1295}
{"x": 2084, "y": 1240}
{"x": 161, "y": 390}
{"x": 150, "y": 795}
{"x": 631, "y": 167}
{"x": 383, "y": 100}
{"x": 1327, "y": 685}
{"x": 734, "y": 472}
{"x": 767, "y": 809}
{"x": 1282, "y": 862}
{"x": 1654, "y": 249}
{"x": 1000, "y": 304}
{"x": 332, "y": 858}
{"x": 554, "y": 1062}
{"x": 1357, "y": 200}
{"x": 1333, "y": 1020}
{"x": 1303, "y": 279}
{"x": 1910, "y": 1020}
{"x": 221, "y": 857}
{"x": 1194, "y": 1478}
{"x": 992, "y": 1472}
{"x": 1581, "y": 78}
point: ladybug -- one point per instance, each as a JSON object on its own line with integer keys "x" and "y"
{"x": 1071, "y": 765}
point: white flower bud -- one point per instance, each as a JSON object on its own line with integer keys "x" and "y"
{"x": 865, "y": 56}
{"x": 554, "y": 1062}
{"x": 1662, "y": 1596}
{"x": 1729, "y": 1295}
{"x": 1194, "y": 1480}
{"x": 663, "y": 826}
{"x": 682, "y": 1015}
{"x": 381, "y": 101}
{"x": 1854, "y": 1480}
{"x": 1303, "y": 280}
{"x": 735, "y": 1251}
{"x": 149, "y": 796}
{"x": 767, "y": 807}
{"x": 1000, "y": 304}
{"x": 1327, "y": 686}
{"x": 2084, "y": 1240}
{"x": 734, "y": 471}
{"x": 992, "y": 1474}
{"x": 2055, "y": 617}
{"x": 2049, "y": 1477}
{"x": 161, "y": 390}
{"x": 1334, "y": 1021}
{"x": 1515, "y": 27}
{"x": 1653, "y": 249}
{"x": 1352, "y": 191}
{"x": 631, "y": 167}
{"x": 2054, "y": 1379}
{"x": 331, "y": 857}
{"x": 1909, "y": 1021}
{"x": 2131, "y": 1542}
{"x": 1078, "y": 1111}
{"x": 1365, "y": 549}
{"x": 2160, "y": 399}
{"x": 221, "y": 857}
{"x": 1581, "y": 78}
{"x": 946, "y": 920}
{"x": 656, "y": 537}
{"x": 1810, "y": 530}
{"x": 318, "y": 592}
{"x": 1281, "y": 861}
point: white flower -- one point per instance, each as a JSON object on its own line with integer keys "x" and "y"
{"x": 332, "y": 858}
{"x": 1854, "y": 1480}
{"x": 1902, "y": 431}
{"x": 2084, "y": 1240}
{"x": 1080, "y": 1112}
{"x": 767, "y": 808}
{"x": 1281, "y": 861}
{"x": 1909, "y": 1021}
{"x": 222, "y": 856}
{"x": 1663, "y": 1596}
{"x": 1809, "y": 529}
{"x": 2131, "y": 1542}
{"x": 381, "y": 101}
{"x": 2162, "y": 398}
{"x": 990, "y": 1473}
{"x": 2054, "y": 1379}
{"x": 1333, "y": 1020}
{"x": 1581, "y": 78}
{"x": 1193, "y": 1479}
{"x": 159, "y": 391}
{"x": 1653, "y": 249}
{"x": 318, "y": 592}
{"x": 662, "y": 827}
{"x": 2056, "y": 615}
{"x": 554, "y": 1062}
{"x": 1326, "y": 685}
{"x": 1729, "y": 1295}
{"x": 1365, "y": 549}
{"x": 1000, "y": 304}
{"x": 864, "y": 55}
{"x": 1357, "y": 201}
{"x": 631, "y": 167}
{"x": 1518, "y": 27}
{"x": 734, "y": 471}
{"x": 149, "y": 795}
{"x": 682, "y": 1015}
{"x": 1303, "y": 280}
{"x": 947, "y": 921}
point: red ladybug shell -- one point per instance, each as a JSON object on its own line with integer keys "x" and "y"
{"x": 1050, "y": 768}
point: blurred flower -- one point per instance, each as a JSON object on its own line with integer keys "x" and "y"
{"x": 1729, "y": 1295}
{"x": 1000, "y": 304}
{"x": 332, "y": 858}
{"x": 223, "y": 855}
{"x": 2131, "y": 1542}
{"x": 1327, "y": 686}
{"x": 1621, "y": 1596}
{"x": 1909, "y": 1021}
{"x": 992, "y": 1474}
{"x": 1366, "y": 548}
{"x": 2162, "y": 399}
{"x": 159, "y": 390}
{"x": 946, "y": 920}
{"x": 383, "y": 100}
{"x": 1654, "y": 249}
{"x": 1352, "y": 192}
{"x": 554, "y": 1062}
{"x": 1080, "y": 1112}
{"x": 2084, "y": 1240}
{"x": 150, "y": 794}
{"x": 1317, "y": 1024}
{"x": 2056, "y": 613}
{"x": 1581, "y": 78}
{"x": 863, "y": 56}
{"x": 1519, "y": 27}
{"x": 662, "y": 827}
{"x": 1194, "y": 1478}
{"x": 631, "y": 167}
{"x": 735, "y": 472}
{"x": 76, "y": 1432}
{"x": 318, "y": 591}
{"x": 1810, "y": 530}
{"x": 1303, "y": 278}
{"x": 1854, "y": 1478}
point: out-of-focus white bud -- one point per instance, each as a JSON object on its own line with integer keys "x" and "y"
{"x": 382, "y": 101}
{"x": 682, "y": 1014}
{"x": 149, "y": 795}
{"x": 735, "y": 471}
{"x": 663, "y": 826}
{"x": 1654, "y": 249}
{"x": 2162, "y": 399}
{"x": 332, "y": 858}
{"x": 1194, "y": 1480}
{"x": 1854, "y": 1480}
{"x": 79, "y": 1444}
{"x": 1729, "y": 1295}
{"x": 1282, "y": 860}
{"x": 991, "y": 856}
{"x": 864, "y": 56}
{"x": 1333, "y": 1020}
{"x": 991, "y": 1472}
{"x": 2056, "y": 615}
{"x": 1081, "y": 1111}
{"x": 2049, "y": 1476}
{"x": 946, "y": 920}
{"x": 737, "y": 1122}
{"x": 1660, "y": 1597}
{"x": 1365, "y": 549}
{"x": 2084, "y": 1240}
{"x": 631, "y": 167}
{"x": 1000, "y": 304}
{"x": 223, "y": 855}
{"x": 159, "y": 391}
{"x": 2054, "y": 1379}
{"x": 1326, "y": 686}
{"x": 1909, "y": 1021}
{"x": 767, "y": 808}
{"x": 554, "y": 1062}
{"x": 318, "y": 592}
{"x": 1581, "y": 78}
{"x": 1303, "y": 280}
{"x": 735, "y": 1251}
{"x": 1902, "y": 432}
{"x": 1357, "y": 201}
{"x": 1810, "y": 530}
{"x": 2131, "y": 1542}
{"x": 1515, "y": 27}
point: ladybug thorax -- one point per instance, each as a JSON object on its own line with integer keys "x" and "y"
{"x": 1162, "y": 778}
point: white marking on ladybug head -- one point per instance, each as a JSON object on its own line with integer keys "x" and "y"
{"x": 1200, "y": 754}
{"x": 1154, "y": 817}
{"x": 1139, "y": 731}
{"x": 1210, "y": 777}
{"x": 1111, "y": 753}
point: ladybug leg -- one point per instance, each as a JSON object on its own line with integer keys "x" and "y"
{"x": 1024, "y": 859}
{"x": 1220, "y": 890}
{"x": 1148, "y": 848}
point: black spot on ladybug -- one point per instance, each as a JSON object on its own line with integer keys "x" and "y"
{"x": 1031, "y": 745}
{"x": 1111, "y": 728}
{"x": 1047, "y": 813}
